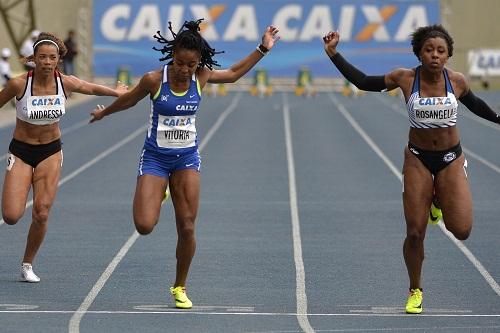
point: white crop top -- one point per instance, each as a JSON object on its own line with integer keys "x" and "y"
{"x": 432, "y": 112}
{"x": 41, "y": 110}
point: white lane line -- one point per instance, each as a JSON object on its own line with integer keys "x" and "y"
{"x": 96, "y": 159}
{"x": 475, "y": 262}
{"x": 74, "y": 323}
{"x": 297, "y": 243}
{"x": 277, "y": 314}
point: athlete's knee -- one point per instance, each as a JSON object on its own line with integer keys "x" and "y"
{"x": 144, "y": 228}
{"x": 40, "y": 213}
{"x": 10, "y": 219}
{"x": 461, "y": 233}
{"x": 185, "y": 229}
{"x": 415, "y": 237}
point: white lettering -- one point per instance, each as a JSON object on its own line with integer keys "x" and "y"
{"x": 282, "y": 18}
{"x": 209, "y": 32}
{"x": 318, "y": 22}
{"x": 372, "y": 15}
{"x": 415, "y": 17}
{"x": 243, "y": 24}
{"x": 146, "y": 23}
{"x": 109, "y": 27}
{"x": 346, "y": 22}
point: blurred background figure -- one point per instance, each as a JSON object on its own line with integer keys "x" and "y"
{"x": 261, "y": 86}
{"x": 5, "y": 72}
{"x": 304, "y": 83}
{"x": 215, "y": 89}
{"x": 27, "y": 49}
{"x": 68, "y": 66}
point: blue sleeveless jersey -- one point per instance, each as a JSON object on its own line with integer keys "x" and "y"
{"x": 172, "y": 120}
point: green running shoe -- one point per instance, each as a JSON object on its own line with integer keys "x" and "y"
{"x": 414, "y": 302}
{"x": 435, "y": 215}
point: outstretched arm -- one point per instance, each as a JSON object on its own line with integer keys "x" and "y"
{"x": 10, "y": 91}
{"x": 74, "y": 84}
{"x": 354, "y": 75}
{"x": 475, "y": 104}
{"x": 239, "y": 69}
{"x": 479, "y": 107}
{"x": 145, "y": 86}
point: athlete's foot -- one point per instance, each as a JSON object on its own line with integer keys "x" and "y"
{"x": 414, "y": 302}
{"x": 435, "y": 215}
{"x": 181, "y": 299}
{"x": 27, "y": 273}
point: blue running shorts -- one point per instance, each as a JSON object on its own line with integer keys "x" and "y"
{"x": 153, "y": 163}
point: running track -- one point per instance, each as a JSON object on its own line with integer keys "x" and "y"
{"x": 300, "y": 227}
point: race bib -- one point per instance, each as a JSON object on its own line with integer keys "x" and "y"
{"x": 176, "y": 131}
{"x": 435, "y": 110}
{"x": 45, "y": 109}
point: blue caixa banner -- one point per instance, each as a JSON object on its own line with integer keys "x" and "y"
{"x": 374, "y": 34}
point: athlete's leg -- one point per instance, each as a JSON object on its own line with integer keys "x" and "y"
{"x": 45, "y": 183}
{"x": 453, "y": 192}
{"x": 417, "y": 197}
{"x": 185, "y": 192}
{"x": 149, "y": 193}
{"x": 16, "y": 187}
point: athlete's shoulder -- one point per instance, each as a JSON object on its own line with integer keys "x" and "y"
{"x": 18, "y": 82}
{"x": 152, "y": 77}
{"x": 458, "y": 81}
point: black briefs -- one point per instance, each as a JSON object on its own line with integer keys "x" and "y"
{"x": 34, "y": 154}
{"x": 436, "y": 160}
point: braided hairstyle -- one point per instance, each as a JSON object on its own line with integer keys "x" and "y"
{"x": 189, "y": 38}
{"x": 432, "y": 31}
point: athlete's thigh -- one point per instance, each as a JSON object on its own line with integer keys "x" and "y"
{"x": 149, "y": 193}
{"x": 16, "y": 187}
{"x": 454, "y": 195}
{"x": 185, "y": 192}
{"x": 45, "y": 180}
{"x": 417, "y": 191}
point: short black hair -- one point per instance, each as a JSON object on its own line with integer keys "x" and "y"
{"x": 422, "y": 34}
{"x": 189, "y": 38}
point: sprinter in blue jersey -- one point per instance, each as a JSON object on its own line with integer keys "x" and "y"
{"x": 434, "y": 165}
{"x": 170, "y": 155}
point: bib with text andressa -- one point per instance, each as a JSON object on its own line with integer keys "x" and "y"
{"x": 176, "y": 131}
{"x": 43, "y": 110}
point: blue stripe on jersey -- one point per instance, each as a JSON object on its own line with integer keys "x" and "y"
{"x": 178, "y": 113}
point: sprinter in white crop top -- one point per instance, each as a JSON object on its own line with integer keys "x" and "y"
{"x": 35, "y": 155}
{"x": 434, "y": 166}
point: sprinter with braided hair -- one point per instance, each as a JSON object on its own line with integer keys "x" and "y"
{"x": 170, "y": 155}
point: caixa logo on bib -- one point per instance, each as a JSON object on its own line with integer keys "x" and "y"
{"x": 46, "y": 101}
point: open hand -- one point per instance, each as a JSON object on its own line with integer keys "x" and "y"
{"x": 270, "y": 37}
{"x": 97, "y": 114}
{"x": 121, "y": 88}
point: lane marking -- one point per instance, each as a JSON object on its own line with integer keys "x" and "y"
{"x": 93, "y": 161}
{"x": 277, "y": 314}
{"x": 475, "y": 262}
{"x": 300, "y": 279}
{"x": 74, "y": 323}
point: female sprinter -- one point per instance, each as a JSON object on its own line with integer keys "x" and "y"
{"x": 170, "y": 155}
